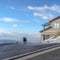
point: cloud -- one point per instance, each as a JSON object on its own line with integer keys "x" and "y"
{"x": 38, "y": 8}
{"x": 44, "y": 16}
{"x": 42, "y": 11}
{"x": 6, "y": 19}
{"x": 11, "y": 7}
{"x": 31, "y": 8}
{"x": 14, "y": 25}
{"x": 45, "y": 8}
{"x": 55, "y": 8}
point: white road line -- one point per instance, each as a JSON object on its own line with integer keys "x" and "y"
{"x": 36, "y": 54}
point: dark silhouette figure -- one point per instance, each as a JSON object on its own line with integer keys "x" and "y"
{"x": 24, "y": 40}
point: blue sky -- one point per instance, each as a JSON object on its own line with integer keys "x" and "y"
{"x": 27, "y": 16}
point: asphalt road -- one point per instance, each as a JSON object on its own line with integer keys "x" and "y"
{"x": 53, "y": 55}
{"x": 18, "y": 49}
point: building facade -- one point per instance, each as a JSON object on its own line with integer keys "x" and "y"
{"x": 50, "y": 28}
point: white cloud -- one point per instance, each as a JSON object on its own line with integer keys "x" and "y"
{"x": 45, "y": 8}
{"x": 38, "y": 8}
{"x": 55, "y": 8}
{"x": 30, "y": 7}
{"x": 44, "y": 16}
{"x": 11, "y": 7}
{"x": 14, "y": 25}
{"x": 6, "y": 19}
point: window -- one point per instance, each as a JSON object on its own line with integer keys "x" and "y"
{"x": 56, "y": 25}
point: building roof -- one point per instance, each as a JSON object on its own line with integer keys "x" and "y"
{"x": 46, "y": 24}
{"x": 54, "y": 19}
{"x": 45, "y": 29}
{"x": 51, "y": 21}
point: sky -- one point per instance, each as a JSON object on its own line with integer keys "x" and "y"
{"x": 27, "y": 16}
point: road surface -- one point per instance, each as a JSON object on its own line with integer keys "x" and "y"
{"x": 10, "y": 50}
